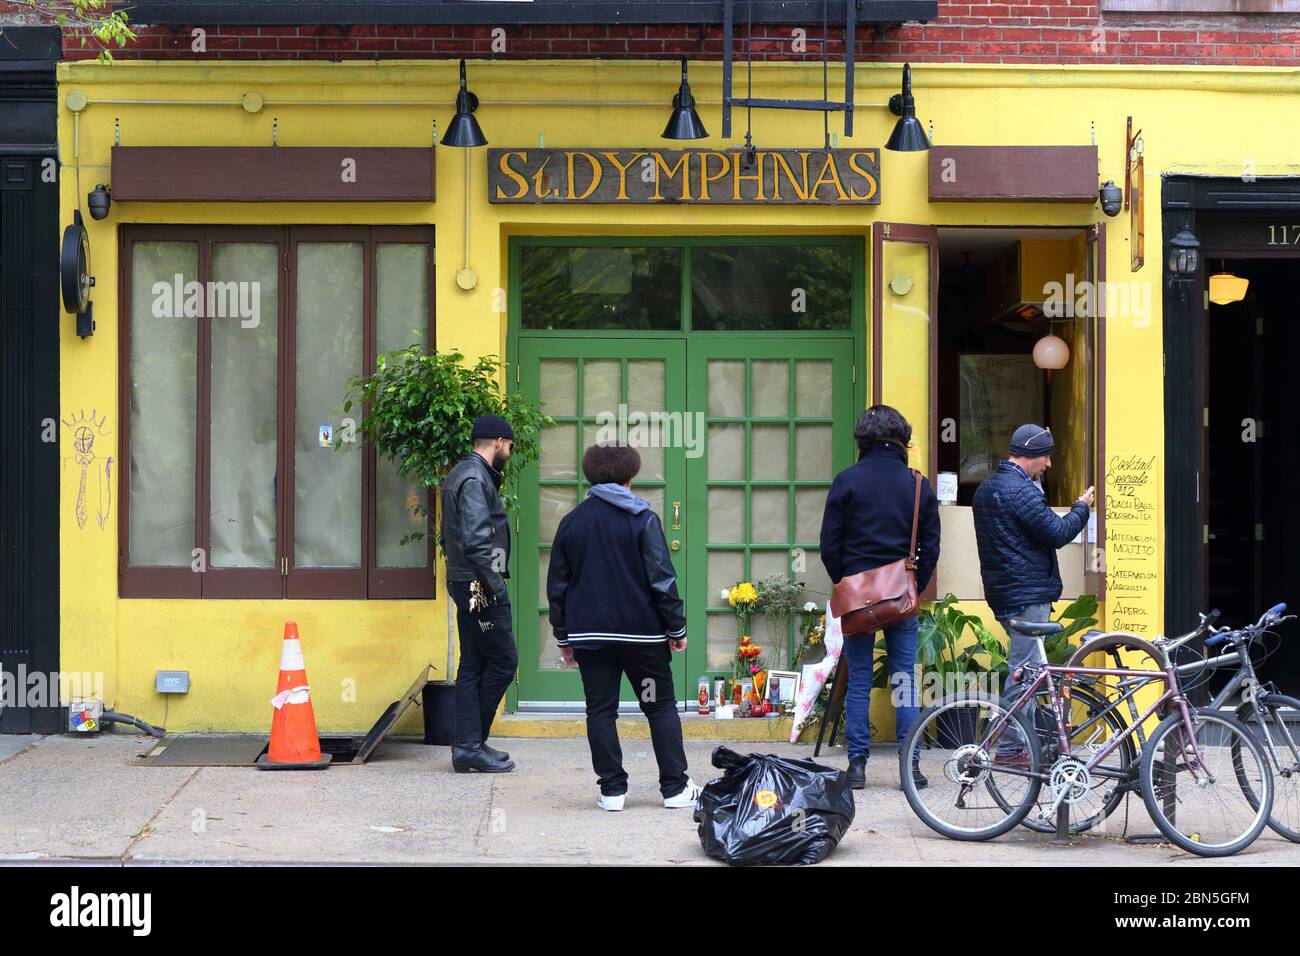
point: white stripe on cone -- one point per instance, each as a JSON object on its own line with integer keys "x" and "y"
{"x": 291, "y": 657}
{"x": 294, "y": 695}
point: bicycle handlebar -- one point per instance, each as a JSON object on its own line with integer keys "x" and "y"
{"x": 1274, "y": 615}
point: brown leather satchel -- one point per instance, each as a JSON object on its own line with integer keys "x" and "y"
{"x": 880, "y": 597}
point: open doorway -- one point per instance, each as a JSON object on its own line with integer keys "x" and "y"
{"x": 1252, "y": 452}
{"x": 1005, "y": 294}
{"x": 1002, "y": 291}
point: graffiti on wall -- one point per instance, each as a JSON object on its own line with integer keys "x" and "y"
{"x": 96, "y": 469}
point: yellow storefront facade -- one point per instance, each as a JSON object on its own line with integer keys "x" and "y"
{"x": 364, "y": 648}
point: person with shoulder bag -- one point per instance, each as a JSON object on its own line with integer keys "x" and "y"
{"x": 880, "y": 545}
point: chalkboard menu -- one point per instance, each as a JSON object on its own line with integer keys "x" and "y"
{"x": 998, "y": 394}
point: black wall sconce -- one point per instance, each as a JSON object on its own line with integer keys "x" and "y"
{"x": 464, "y": 130}
{"x": 908, "y": 136}
{"x": 99, "y": 202}
{"x": 1184, "y": 254}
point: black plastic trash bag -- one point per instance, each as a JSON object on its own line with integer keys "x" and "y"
{"x": 770, "y": 811}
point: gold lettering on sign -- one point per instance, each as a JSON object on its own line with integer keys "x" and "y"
{"x": 597, "y": 173}
{"x": 683, "y": 165}
{"x": 622, "y": 170}
{"x": 510, "y": 173}
{"x": 871, "y": 180}
{"x": 756, "y": 178}
{"x": 831, "y": 175}
{"x": 671, "y": 176}
{"x": 800, "y": 186}
{"x": 705, "y": 178}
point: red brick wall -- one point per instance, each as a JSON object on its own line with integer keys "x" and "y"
{"x": 972, "y": 32}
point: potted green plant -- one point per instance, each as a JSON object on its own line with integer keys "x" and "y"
{"x": 419, "y": 408}
{"x": 981, "y": 664}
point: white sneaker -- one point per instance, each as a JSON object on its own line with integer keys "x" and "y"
{"x": 686, "y": 798}
{"x": 613, "y": 804}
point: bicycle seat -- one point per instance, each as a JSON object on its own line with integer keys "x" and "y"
{"x": 1036, "y": 630}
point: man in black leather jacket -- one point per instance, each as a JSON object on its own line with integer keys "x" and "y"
{"x": 475, "y": 535}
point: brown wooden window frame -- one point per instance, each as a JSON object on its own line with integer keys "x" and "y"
{"x": 285, "y": 580}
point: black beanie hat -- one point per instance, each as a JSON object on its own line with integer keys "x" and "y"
{"x": 491, "y": 426}
{"x": 1031, "y": 441}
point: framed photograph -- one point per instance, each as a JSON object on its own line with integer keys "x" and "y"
{"x": 783, "y": 686}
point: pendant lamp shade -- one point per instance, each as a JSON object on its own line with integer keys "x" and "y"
{"x": 685, "y": 123}
{"x": 1226, "y": 287}
{"x": 464, "y": 130}
{"x": 908, "y": 135}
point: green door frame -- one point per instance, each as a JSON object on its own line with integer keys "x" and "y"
{"x": 527, "y": 591}
{"x": 855, "y": 361}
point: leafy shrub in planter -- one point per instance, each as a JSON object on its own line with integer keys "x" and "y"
{"x": 420, "y": 407}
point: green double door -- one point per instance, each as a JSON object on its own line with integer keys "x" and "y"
{"x": 739, "y": 437}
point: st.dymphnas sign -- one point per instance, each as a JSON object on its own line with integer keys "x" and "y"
{"x": 681, "y": 176}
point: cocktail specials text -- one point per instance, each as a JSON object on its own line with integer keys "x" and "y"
{"x": 672, "y": 177}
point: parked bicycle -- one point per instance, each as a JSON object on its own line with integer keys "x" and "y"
{"x": 1203, "y": 776}
{"x": 1273, "y": 717}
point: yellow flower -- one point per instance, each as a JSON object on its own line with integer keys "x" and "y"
{"x": 742, "y": 593}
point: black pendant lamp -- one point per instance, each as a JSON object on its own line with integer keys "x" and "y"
{"x": 908, "y": 136}
{"x": 464, "y": 129}
{"x": 685, "y": 122}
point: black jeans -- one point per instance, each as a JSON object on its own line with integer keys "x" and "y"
{"x": 488, "y": 658}
{"x": 649, "y": 670}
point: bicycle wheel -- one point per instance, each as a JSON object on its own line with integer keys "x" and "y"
{"x": 1124, "y": 650}
{"x": 953, "y": 743}
{"x": 1273, "y": 722}
{"x": 1093, "y": 727}
{"x": 1191, "y": 787}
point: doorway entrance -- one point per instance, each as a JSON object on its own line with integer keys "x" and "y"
{"x": 730, "y": 364}
{"x": 1252, "y": 451}
{"x": 1230, "y": 443}
{"x": 29, "y": 376}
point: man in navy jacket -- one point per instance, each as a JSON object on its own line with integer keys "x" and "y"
{"x": 1017, "y": 534}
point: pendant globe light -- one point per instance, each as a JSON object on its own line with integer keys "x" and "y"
{"x": 1051, "y": 352}
{"x": 464, "y": 129}
{"x": 685, "y": 123}
{"x": 1226, "y": 288}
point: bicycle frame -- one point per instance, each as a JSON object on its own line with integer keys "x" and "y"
{"x": 1044, "y": 678}
{"x": 1244, "y": 677}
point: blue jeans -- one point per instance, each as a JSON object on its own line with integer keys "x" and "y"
{"x": 900, "y": 644}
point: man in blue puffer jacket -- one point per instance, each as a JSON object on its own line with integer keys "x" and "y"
{"x": 1018, "y": 534}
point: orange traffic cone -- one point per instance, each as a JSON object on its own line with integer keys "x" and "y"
{"x": 294, "y": 742}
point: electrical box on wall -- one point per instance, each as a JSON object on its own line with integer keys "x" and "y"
{"x": 85, "y": 716}
{"x": 172, "y": 682}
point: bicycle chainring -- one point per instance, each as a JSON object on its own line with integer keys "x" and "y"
{"x": 1069, "y": 775}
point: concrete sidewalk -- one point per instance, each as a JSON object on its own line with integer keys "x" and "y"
{"x": 81, "y": 799}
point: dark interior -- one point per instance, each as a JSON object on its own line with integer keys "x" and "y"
{"x": 970, "y": 322}
{"x": 1252, "y": 559}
